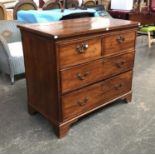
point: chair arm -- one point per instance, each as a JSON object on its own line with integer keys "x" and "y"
{"x": 4, "y": 46}
{"x": 9, "y": 30}
{"x": 5, "y": 58}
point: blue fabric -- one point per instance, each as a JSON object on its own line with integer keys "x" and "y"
{"x": 40, "y": 16}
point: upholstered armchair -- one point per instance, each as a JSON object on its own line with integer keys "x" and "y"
{"x": 11, "y": 53}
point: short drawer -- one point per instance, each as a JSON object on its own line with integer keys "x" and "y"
{"x": 88, "y": 73}
{"x": 79, "y": 51}
{"x": 118, "y": 42}
{"x": 86, "y": 99}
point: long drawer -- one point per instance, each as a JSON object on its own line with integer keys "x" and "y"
{"x": 79, "y": 51}
{"x": 85, "y": 99}
{"x": 85, "y": 74}
{"x": 118, "y": 42}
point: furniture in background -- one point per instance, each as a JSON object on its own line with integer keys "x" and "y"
{"x": 143, "y": 12}
{"x": 85, "y": 64}
{"x": 37, "y": 3}
{"x": 89, "y": 3}
{"x": 9, "y": 14}
{"x": 51, "y": 5}
{"x": 77, "y": 3}
{"x": 71, "y": 4}
{"x": 100, "y": 9}
{"x": 148, "y": 30}
{"x": 9, "y": 4}
{"x": 120, "y": 14}
{"x": 24, "y": 5}
{"x": 45, "y": 16}
{"x": 121, "y": 9}
{"x": 152, "y": 5}
{"x": 2, "y": 12}
{"x": 41, "y": 3}
{"x": 78, "y": 15}
{"x": 11, "y": 53}
{"x": 105, "y": 3}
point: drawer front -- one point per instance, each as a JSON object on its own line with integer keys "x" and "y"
{"x": 82, "y": 75}
{"x": 118, "y": 42}
{"x": 86, "y": 99}
{"x": 79, "y": 52}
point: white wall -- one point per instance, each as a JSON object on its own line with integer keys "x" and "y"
{"x": 122, "y": 4}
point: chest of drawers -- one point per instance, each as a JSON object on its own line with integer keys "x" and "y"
{"x": 74, "y": 67}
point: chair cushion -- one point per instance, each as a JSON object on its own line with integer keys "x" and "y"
{"x": 16, "y": 49}
{"x": 147, "y": 29}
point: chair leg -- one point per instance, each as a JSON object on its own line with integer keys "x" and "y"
{"x": 149, "y": 39}
{"x": 12, "y": 79}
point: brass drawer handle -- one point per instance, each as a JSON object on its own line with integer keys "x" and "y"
{"x": 82, "y": 48}
{"x": 120, "y": 39}
{"x": 83, "y": 102}
{"x": 120, "y": 64}
{"x": 119, "y": 86}
{"x": 82, "y": 76}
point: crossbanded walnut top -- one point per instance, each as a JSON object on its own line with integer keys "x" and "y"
{"x": 73, "y": 27}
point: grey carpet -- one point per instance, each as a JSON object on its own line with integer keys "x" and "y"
{"x": 117, "y": 128}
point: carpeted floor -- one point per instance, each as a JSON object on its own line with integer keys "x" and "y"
{"x": 117, "y": 128}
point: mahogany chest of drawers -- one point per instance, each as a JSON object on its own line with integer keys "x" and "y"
{"x": 74, "y": 67}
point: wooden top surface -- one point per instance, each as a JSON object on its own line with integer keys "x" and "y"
{"x": 73, "y": 27}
